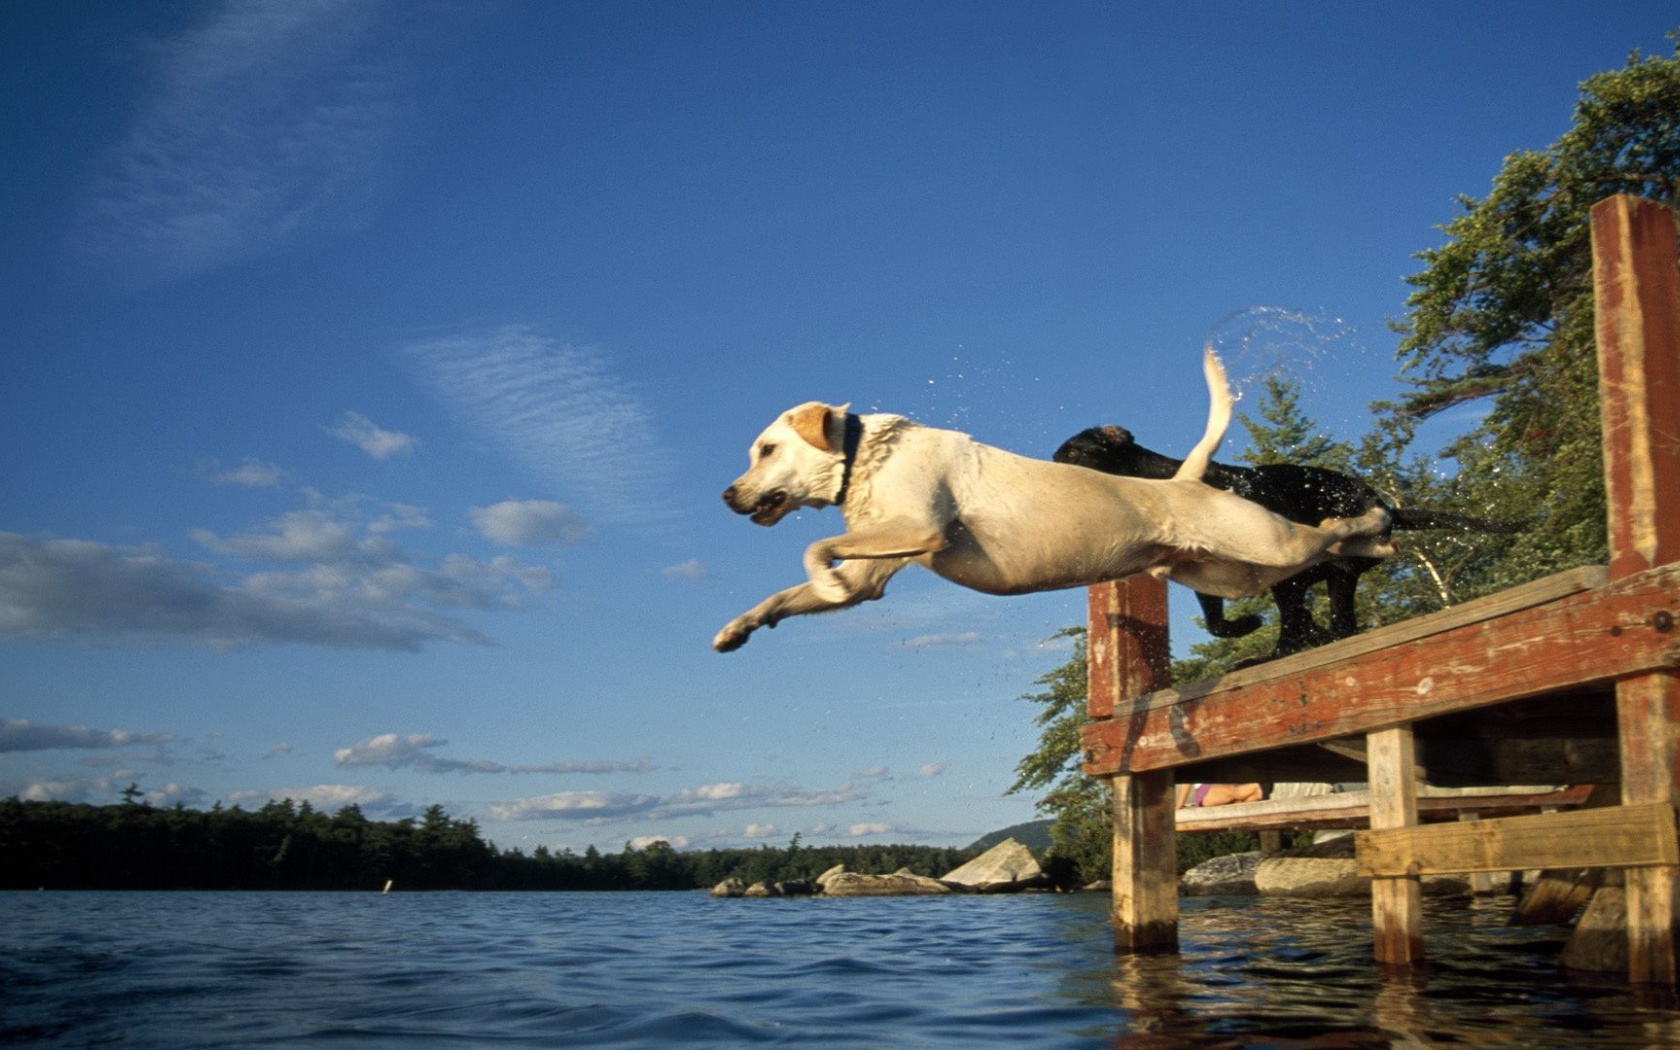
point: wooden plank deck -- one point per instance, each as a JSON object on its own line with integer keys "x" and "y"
{"x": 1352, "y": 809}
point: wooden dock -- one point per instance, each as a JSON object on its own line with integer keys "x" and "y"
{"x": 1569, "y": 680}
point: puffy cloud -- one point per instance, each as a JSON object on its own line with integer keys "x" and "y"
{"x": 641, "y": 842}
{"x": 531, "y": 522}
{"x": 858, "y": 831}
{"x": 758, "y": 831}
{"x": 20, "y": 735}
{"x": 376, "y": 441}
{"x": 931, "y": 770}
{"x": 344, "y": 584}
{"x": 106, "y": 790}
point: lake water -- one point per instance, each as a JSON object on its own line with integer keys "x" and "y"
{"x": 186, "y": 970}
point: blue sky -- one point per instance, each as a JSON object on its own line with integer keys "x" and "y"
{"x": 372, "y": 370}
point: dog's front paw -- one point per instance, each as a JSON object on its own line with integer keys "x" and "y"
{"x": 831, "y": 587}
{"x": 734, "y": 635}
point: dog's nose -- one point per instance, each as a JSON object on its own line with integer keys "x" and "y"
{"x": 729, "y": 496}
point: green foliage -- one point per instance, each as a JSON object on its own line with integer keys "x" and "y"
{"x": 1080, "y": 844}
{"x": 1503, "y": 312}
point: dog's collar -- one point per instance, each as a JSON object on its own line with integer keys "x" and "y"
{"x": 854, "y": 435}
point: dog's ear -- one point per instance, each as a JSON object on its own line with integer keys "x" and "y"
{"x": 811, "y": 423}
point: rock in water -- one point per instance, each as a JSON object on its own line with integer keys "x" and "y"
{"x": 1230, "y": 875}
{"x": 852, "y": 884}
{"x": 1005, "y": 868}
{"x": 730, "y": 888}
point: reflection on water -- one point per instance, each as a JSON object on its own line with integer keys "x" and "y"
{"x": 656, "y": 970}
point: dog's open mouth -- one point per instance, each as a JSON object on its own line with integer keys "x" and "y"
{"x": 770, "y": 509}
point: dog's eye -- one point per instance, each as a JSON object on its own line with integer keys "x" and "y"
{"x": 766, "y": 449}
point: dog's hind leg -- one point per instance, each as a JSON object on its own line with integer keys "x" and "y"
{"x": 1342, "y": 581}
{"x": 1297, "y": 629}
{"x": 1213, "y": 618}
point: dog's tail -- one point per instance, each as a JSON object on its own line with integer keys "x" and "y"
{"x": 1219, "y": 417}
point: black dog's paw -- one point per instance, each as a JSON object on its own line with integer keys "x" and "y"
{"x": 1238, "y": 628}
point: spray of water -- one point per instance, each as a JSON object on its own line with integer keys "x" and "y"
{"x": 1296, "y": 346}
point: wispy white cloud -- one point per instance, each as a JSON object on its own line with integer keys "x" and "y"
{"x": 251, "y": 473}
{"x": 415, "y": 751}
{"x": 943, "y": 641}
{"x": 20, "y": 735}
{"x": 328, "y": 798}
{"x": 608, "y": 807}
{"x": 371, "y": 438}
{"x": 529, "y": 522}
{"x": 690, "y": 571}
{"x": 268, "y": 121}
{"x": 560, "y": 410}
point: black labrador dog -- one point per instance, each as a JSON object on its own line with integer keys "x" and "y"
{"x": 1302, "y": 494}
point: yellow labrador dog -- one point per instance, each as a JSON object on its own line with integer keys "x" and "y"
{"x": 1005, "y": 524}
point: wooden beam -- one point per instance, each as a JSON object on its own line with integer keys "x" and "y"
{"x": 1396, "y": 897}
{"x": 1636, "y": 290}
{"x": 1352, "y": 809}
{"x": 1626, "y": 627}
{"x": 1615, "y": 836}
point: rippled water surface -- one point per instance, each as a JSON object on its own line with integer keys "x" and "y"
{"x": 189, "y": 970}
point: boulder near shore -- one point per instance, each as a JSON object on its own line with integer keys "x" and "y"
{"x": 1008, "y": 867}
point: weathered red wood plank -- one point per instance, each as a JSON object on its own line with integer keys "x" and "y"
{"x": 1126, "y": 644}
{"x": 1636, "y": 290}
{"x": 1621, "y": 629}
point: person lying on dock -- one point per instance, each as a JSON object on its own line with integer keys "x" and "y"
{"x": 1218, "y": 794}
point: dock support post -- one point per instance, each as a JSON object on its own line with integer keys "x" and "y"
{"x": 1396, "y": 901}
{"x": 1636, "y": 286}
{"x": 1128, "y": 656}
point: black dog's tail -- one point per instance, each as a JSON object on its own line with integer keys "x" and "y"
{"x": 1440, "y": 519}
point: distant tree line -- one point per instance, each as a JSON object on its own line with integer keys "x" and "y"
{"x": 293, "y": 846}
